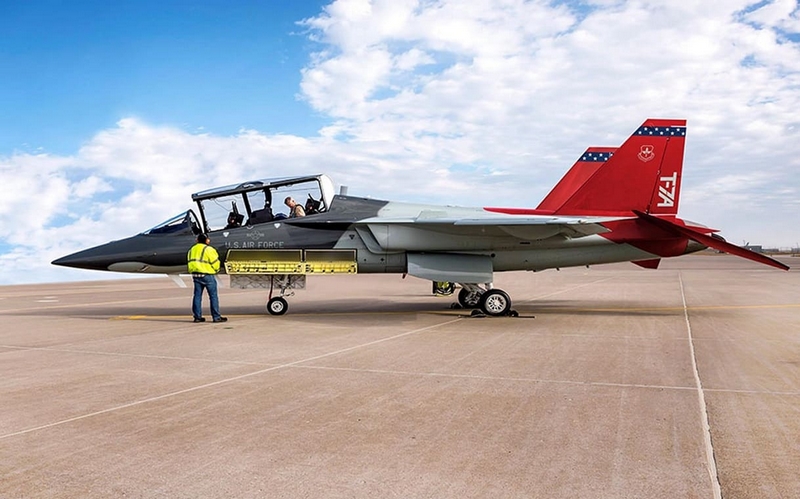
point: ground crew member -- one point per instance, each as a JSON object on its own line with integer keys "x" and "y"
{"x": 203, "y": 265}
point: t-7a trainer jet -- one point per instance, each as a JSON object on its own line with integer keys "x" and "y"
{"x": 613, "y": 205}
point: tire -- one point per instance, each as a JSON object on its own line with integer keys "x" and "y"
{"x": 495, "y": 302}
{"x": 467, "y": 301}
{"x": 277, "y": 306}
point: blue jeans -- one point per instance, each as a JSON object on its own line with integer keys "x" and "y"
{"x": 209, "y": 283}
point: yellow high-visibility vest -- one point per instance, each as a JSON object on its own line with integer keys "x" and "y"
{"x": 203, "y": 259}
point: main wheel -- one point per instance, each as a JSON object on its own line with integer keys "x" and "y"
{"x": 495, "y": 302}
{"x": 469, "y": 299}
{"x": 277, "y": 306}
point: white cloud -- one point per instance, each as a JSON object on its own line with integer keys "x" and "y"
{"x": 520, "y": 88}
{"x": 462, "y": 102}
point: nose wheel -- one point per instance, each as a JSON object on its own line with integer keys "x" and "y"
{"x": 277, "y": 305}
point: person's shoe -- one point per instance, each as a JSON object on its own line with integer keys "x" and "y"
{"x": 221, "y": 319}
{"x": 199, "y": 319}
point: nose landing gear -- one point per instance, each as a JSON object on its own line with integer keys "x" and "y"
{"x": 277, "y": 305}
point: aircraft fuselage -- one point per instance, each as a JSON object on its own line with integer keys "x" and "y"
{"x": 382, "y": 235}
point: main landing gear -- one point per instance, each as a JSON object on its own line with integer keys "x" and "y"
{"x": 492, "y": 302}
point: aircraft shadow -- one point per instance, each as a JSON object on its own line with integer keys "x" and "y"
{"x": 329, "y": 311}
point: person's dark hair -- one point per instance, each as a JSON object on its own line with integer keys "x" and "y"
{"x": 201, "y": 238}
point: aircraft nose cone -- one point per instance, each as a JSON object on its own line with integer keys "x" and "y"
{"x": 140, "y": 253}
{"x": 91, "y": 259}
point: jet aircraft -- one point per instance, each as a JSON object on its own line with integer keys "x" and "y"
{"x": 613, "y": 205}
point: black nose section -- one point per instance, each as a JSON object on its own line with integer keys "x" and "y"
{"x": 97, "y": 258}
{"x": 134, "y": 254}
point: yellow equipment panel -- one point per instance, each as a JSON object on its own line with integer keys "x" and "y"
{"x": 330, "y": 262}
{"x": 275, "y": 262}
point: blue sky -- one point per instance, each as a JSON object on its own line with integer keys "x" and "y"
{"x": 72, "y": 68}
{"x": 113, "y": 113}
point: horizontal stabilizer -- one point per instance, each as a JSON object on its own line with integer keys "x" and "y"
{"x": 711, "y": 242}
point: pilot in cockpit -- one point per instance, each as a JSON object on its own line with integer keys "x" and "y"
{"x": 234, "y": 217}
{"x": 295, "y": 209}
{"x": 264, "y": 214}
{"x": 234, "y": 220}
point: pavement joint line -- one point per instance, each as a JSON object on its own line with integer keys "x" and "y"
{"x": 414, "y": 373}
{"x": 223, "y": 381}
{"x": 134, "y": 355}
{"x": 568, "y": 289}
{"x": 409, "y": 373}
{"x": 499, "y": 378}
{"x": 752, "y": 392}
{"x": 542, "y": 380}
{"x": 666, "y": 309}
{"x": 711, "y": 464}
{"x": 460, "y": 312}
{"x": 73, "y": 305}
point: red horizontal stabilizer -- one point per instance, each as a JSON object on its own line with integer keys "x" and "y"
{"x": 711, "y": 242}
{"x": 648, "y": 264}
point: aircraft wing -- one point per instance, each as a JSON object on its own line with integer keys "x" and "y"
{"x": 529, "y": 228}
{"x": 522, "y": 227}
{"x": 440, "y": 233}
{"x": 494, "y": 220}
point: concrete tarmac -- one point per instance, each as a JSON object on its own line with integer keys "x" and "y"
{"x": 614, "y": 382}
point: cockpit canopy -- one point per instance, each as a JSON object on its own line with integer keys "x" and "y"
{"x": 261, "y": 201}
{"x": 185, "y": 223}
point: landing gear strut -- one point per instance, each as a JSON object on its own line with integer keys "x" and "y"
{"x": 277, "y": 305}
{"x": 470, "y": 296}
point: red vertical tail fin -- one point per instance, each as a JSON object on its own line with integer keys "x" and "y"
{"x": 644, "y": 174}
{"x": 586, "y": 166}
